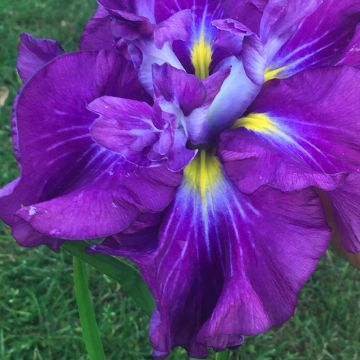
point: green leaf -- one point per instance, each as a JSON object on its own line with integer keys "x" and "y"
{"x": 90, "y": 330}
{"x": 120, "y": 270}
{"x": 225, "y": 355}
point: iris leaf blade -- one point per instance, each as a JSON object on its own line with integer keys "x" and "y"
{"x": 90, "y": 330}
{"x": 123, "y": 272}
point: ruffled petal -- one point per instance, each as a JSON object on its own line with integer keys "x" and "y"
{"x": 226, "y": 264}
{"x": 299, "y": 132}
{"x": 34, "y": 53}
{"x": 65, "y": 175}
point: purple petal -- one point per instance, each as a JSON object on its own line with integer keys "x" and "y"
{"x": 178, "y": 87}
{"x": 225, "y": 264}
{"x": 179, "y": 155}
{"x": 197, "y": 123}
{"x": 299, "y": 132}
{"x": 143, "y": 8}
{"x": 254, "y": 58}
{"x": 130, "y": 20}
{"x": 214, "y": 83}
{"x": 26, "y": 236}
{"x": 351, "y": 55}
{"x": 82, "y": 214}
{"x": 124, "y": 126}
{"x": 97, "y": 34}
{"x": 345, "y": 202}
{"x": 34, "y": 53}
{"x": 229, "y": 39}
{"x": 326, "y": 30}
{"x": 137, "y": 245}
{"x": 151, "y": 55}
{"x": 247, "y": 12}
{"x": 65, "y": 175}
{"x": 177, "y": 27}
{"x": 211, "y": 8}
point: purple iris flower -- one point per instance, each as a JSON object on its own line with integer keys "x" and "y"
{"x": 196, "y": 137}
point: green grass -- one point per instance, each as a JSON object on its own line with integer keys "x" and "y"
{"x": 38, "y": 315}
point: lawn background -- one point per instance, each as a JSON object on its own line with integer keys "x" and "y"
{"x": 38, "y": 316}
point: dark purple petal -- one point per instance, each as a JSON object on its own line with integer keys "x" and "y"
{"x": 225, "y": 264}
{"x": 97, "y": 34}
{"x": 136, "y": 245}
{"x": 345, "y": 203}
{"x": 26, "y": 236}
{"x": 299, "y": 132}
{"x": 34, "y": 53}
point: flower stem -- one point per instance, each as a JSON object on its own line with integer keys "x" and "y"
{"x": 225, "y": 355}
{"x": 89, "y": 326}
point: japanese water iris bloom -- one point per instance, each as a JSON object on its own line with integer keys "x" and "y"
{"x": 196, "y": 137}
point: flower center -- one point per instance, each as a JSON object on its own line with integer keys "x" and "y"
{"x": 201, "y": 57}
{"x": 203, "y": 174}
